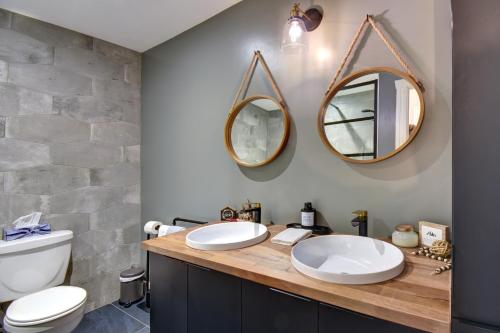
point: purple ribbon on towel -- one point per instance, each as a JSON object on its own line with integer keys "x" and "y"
{"x": 12, "y": 234}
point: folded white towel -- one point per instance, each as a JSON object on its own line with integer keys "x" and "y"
{"x": 291, "y": 236}
{"x": 169, "y": 229}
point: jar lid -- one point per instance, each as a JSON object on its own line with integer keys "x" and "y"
{"x": 404, "y": 227}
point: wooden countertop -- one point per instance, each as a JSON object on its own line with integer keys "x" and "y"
{"x": 415, "y": 298}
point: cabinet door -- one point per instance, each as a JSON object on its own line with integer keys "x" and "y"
{"x": 214, "y": 301}
{"x": 168, "y": 294}
{"x": 333, "y": 319}
{"x": 268, "y": 310}
{"x": 459, "y": 326}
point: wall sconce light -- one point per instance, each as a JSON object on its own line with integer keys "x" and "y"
{"x": 300, "y": 22}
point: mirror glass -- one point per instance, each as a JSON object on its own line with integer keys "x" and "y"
{"x": 258, "y": 132}
{"x": 372, "y": 116}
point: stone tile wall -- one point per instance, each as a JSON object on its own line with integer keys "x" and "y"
{"x": 250, "y": 126}
{"x": 70, "y": 144}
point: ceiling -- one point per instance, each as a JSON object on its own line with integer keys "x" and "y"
{"x": 135, "y": 24}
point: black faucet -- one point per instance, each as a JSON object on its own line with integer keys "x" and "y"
{"x": 361, "y": 221}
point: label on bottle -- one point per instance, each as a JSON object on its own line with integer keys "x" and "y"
{"x": 307, "y": 219}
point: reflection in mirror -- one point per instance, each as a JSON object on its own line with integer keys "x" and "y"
{"x": 258, "y": 131}
{"x": 372, "y": 116}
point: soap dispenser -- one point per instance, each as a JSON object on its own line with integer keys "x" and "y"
{"x": 308, "y": 215}
{"x": 308, "y": 221}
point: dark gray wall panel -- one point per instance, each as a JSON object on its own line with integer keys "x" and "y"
{"x": 476, "y": 160}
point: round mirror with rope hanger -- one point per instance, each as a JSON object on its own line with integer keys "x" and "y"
{"x": 372, "y": 114}
{"x": 257, "y": 127}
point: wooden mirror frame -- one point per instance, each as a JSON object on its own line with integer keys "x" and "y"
{"x": 229, "y": 125}
{"x": 353, "y": 76}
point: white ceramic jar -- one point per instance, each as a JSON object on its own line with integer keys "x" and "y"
{"x": 405, "y": 236}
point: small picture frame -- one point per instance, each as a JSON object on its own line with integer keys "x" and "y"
{"x": 430, "y": 232}
{"x": 228, "y": 214}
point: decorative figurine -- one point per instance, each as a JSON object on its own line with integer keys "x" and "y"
{"x": 228, "y": 214}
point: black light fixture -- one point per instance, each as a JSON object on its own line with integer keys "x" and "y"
{"x": 298, "y": 24}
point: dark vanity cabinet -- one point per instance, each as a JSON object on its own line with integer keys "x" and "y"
{"x": 186, "y": 298}
{"x": 334, "y": 319}
{"x": 464, "y": 326}
{"x": 190, "y": 299}
{"x": 213, "y": 301}
{"x": 269, "y": 310}
{"x": 168, "y": 294}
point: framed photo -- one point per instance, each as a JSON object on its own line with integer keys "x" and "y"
{"x": 430, "y": 232}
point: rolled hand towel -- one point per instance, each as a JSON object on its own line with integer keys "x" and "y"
{"x": 169, "y": 229}
{"x": 16, "y": 233}
{"x": 291, "y": 236}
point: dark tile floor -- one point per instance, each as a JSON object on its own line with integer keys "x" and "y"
{"x": 113, "y": 318}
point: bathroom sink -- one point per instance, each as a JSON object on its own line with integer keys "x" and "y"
{"x": 348, "y": 259}
{"x": 226, "y": 236}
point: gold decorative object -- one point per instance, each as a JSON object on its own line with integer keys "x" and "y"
{"x": 440, "y": 251}
{"x": 441, "y": 248}
{"x": 441, "y": 269}
{"x": 243, "y": 216}
{"x": 251, "y": 212}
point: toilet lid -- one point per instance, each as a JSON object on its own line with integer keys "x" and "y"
{"x": 45, "y": 305}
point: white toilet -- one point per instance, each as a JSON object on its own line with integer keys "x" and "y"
{"x": 31, "y": 270}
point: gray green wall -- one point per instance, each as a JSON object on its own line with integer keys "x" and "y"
{"x": 189, "y": 83}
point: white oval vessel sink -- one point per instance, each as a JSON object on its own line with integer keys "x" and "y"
{"x": 348, "y": 259}
{"x": 227, "y": 236}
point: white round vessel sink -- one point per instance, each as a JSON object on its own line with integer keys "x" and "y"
{"x": 227, "y": 236}
{"x": 348, "y": 259}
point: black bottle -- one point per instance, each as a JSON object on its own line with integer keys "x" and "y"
{"x": 308, "y": 216}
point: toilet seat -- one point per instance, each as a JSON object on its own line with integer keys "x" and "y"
{"x": 45, "y": 306}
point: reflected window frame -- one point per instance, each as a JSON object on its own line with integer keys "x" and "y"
{"x": 368, "y": 118}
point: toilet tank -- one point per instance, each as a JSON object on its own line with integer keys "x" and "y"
{"x": 33, "y": 263}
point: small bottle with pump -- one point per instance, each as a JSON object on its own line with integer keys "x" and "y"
{"x": 307, "y": 216}
{"x": 308, "y": 221}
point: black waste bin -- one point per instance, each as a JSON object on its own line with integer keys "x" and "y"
{"x": 131, "y": 286}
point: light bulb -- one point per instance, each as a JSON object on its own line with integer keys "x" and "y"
{"x": 295, "y": 31}
{"x": 294, "y": 37}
